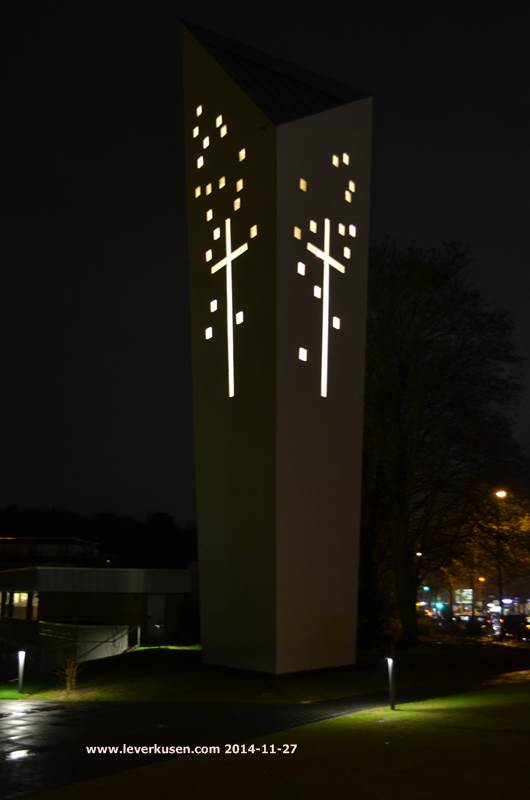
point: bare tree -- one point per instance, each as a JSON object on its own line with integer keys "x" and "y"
{"x": 442, "y": 373}
{"x": 68, "y": 672}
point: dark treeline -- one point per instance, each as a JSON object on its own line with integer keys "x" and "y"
{"x": 155, "y": 541}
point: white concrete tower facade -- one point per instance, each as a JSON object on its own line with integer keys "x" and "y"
{"x": 278, "y": 166}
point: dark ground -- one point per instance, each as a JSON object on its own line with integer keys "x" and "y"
{"x": 51, "y": 737}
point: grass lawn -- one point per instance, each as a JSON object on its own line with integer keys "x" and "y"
{"x": 466, "y": 746}
{"x": 177, "y": 675}
{"x": 34, "y": 686}
{"x": 9, "y": 691}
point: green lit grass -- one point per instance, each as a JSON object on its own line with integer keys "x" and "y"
{"x": 466, "y": 746}
{"x": 176, "y": 674}
{"x": 7, "y": 692}
{"x": 182, "y": 647}
{"x": 207, "y": 685}
{"x": 32, "y": 686}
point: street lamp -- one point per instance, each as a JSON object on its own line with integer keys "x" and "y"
{"x": 480, "y": 593}
{"x": 500, "y": 494}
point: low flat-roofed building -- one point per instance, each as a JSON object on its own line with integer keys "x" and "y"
{"x": 52, "y": 612}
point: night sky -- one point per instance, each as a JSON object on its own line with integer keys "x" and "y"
{"x": 96, "y": 391}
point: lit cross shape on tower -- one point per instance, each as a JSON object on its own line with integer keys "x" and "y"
{"x": 221, "y": 183}
{"x": 327, "y": 262}
{"x": 226, "y": 263}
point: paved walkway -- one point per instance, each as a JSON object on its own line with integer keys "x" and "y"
{"x": 42, "y": 745}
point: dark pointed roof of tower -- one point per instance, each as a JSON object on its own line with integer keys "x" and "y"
{"x": 283, "y": 91}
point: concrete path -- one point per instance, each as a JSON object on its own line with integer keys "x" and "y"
{"x": 42, "y": 745}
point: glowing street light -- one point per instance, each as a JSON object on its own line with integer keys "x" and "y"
{"x": 500, "y": 494}
{"x": 482, "y": 579}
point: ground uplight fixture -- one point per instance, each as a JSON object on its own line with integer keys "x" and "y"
{"x": 501, "y": 494}
{"x": 391, "y": 683}
{"x": 21, "y": 662}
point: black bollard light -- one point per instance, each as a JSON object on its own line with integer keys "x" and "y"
{"x": 21, "y": 662}
{"x": 391, "y": 682}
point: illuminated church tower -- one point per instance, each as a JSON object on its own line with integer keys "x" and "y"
{"x": 277, "y": 207}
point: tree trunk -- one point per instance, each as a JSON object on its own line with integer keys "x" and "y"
{"x": 407, "y": 590}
